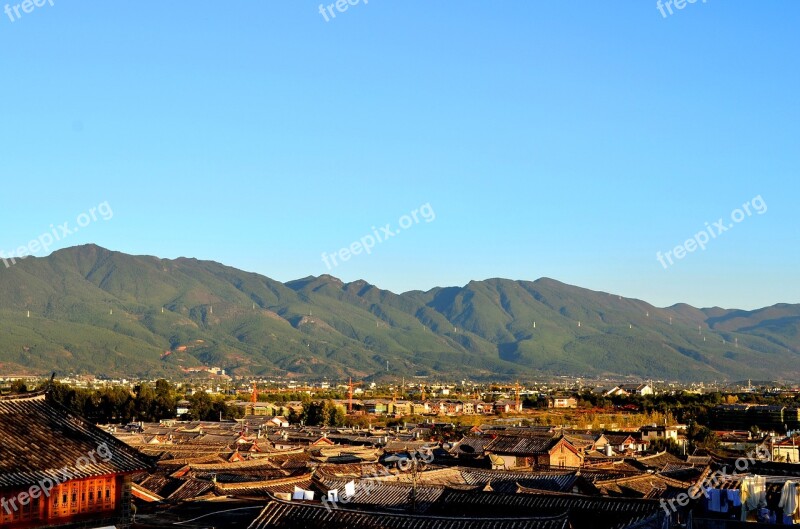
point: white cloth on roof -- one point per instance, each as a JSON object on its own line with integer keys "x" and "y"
{"x": 350, "y": 489}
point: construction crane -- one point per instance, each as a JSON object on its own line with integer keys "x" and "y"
{"x": 350, "y": 387}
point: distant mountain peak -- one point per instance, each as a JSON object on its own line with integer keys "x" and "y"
{"x": 92, "y": 310}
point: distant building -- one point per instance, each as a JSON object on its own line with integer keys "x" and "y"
{"x": 400, "y": 408}
{"x": 745, "y": 416}
{"x": 786, "y": 450}
{"x": 501, "y": 406}
{"x": 640, "y": 390}
{"x": 653, "y": 433}
{"x": 182, "y": 407}
{"x": 278, "y": 421}
{"x": 376, "y": 407}
{"x": 532, "y": 451}
{"x": 563, "y": 402}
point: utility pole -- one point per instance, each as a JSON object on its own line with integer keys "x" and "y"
{"x": 350, "y": 400}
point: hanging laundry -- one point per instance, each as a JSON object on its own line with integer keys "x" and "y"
{"x": 735, "y": 497}
{"x": 714, "y": 500}
{"x": 788, "y": 499}
{"x": 754, "y": 493}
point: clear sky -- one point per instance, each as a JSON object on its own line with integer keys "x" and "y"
{"x": 567, "y": 139}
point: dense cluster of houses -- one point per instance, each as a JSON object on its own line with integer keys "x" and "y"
{"x": 430, "y": 474}
{"x": 390, "y": 407}
{"x": 262, "y": 472}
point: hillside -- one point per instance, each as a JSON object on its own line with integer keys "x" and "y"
{"x": 107, "y": 313}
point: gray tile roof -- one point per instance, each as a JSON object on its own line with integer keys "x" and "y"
{"x": 285, "y": 515}
{"x": 39, "y": 438}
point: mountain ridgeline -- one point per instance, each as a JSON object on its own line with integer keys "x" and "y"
{"x": 90, "y": 310}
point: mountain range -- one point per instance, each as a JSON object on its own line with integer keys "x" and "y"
{"x": 89, "y": 310}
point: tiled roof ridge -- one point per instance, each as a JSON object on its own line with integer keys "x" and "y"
{"x": 42, "y": 393}
{"x": 264, "y": 483}
{"x": 562, "y": 516}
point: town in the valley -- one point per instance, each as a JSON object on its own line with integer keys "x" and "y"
{"x": 264, "y": 453}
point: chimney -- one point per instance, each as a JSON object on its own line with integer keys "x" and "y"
{"x": 609, "y": 450}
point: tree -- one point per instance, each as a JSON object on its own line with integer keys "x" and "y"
{"x": 702, "y": 437}
{"x": 144, "y": 402}
{"x": 322, "y": 413}
{"x": 18, "y": 386}
{"x": 165, "y": 402}
{"x": 336, "y": 415}
{"x": 200, "y": 406}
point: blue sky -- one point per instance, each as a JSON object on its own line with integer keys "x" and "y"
{"x": 572, "y": 140}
